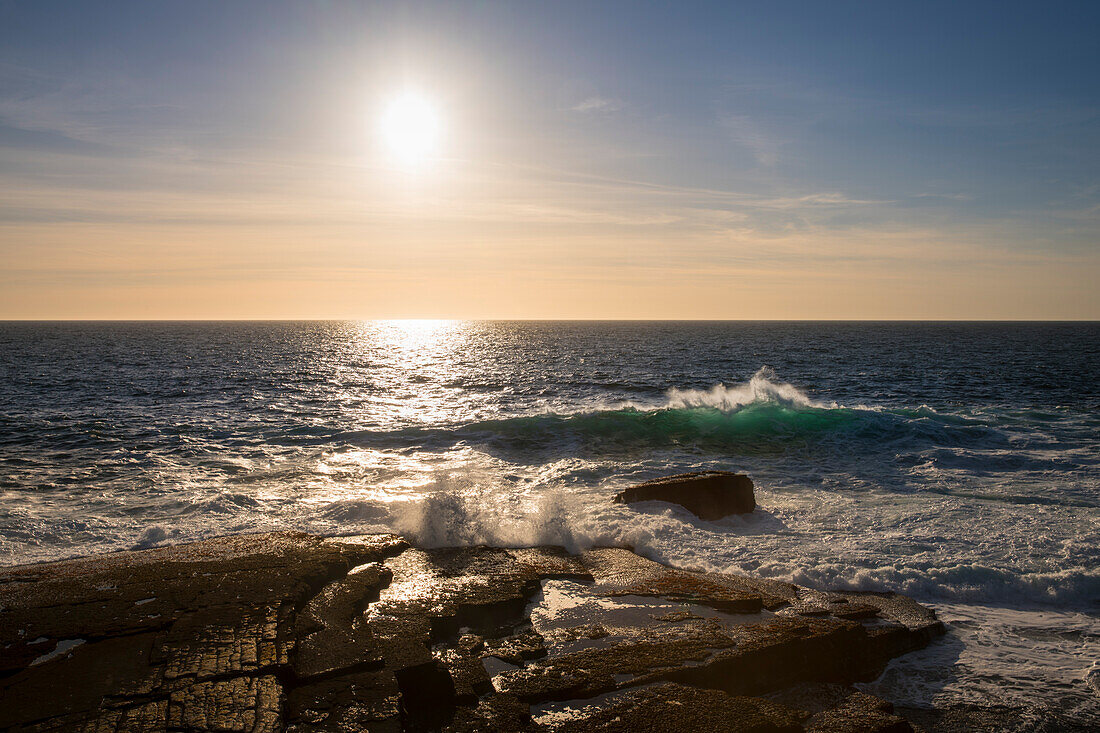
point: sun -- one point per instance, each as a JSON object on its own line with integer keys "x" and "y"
{"x": 410, "y": 128}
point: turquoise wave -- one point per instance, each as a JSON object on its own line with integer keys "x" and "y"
{"x": 765, "y": 426}
{"x": 767, "y": 422}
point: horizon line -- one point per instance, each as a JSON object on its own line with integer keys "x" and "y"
{"x": 552, "y": 320}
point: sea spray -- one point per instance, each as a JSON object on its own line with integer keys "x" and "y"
{"x": 454, "y": 513}
{"x": 470, "y": 517}
{"x": 763, "y": 387}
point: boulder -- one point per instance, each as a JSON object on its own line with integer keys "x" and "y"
{"x": 706, "y": 494}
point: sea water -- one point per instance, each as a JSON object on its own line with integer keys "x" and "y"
{"x": 955, "y": 462}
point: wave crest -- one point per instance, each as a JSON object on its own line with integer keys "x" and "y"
{"x": 763, "y": 387}
{"x": 761, "y": 416}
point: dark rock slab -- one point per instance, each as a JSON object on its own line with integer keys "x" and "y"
{"x": 467, "y": 674}
{"x": 346, "y": 704}
{"x": 516, "y": 648}
{"x": 245, "y": 704}
{"x": 619, "y": 572}
{"x": 196, "y": 636}
{"x": 671, "y": 707}
{"x": 783, "y": 652}
{"x": 428, "y": 695}
{"x": 708, "y": 495}
{"x": 639, "y": 657}
{"x": 841, "y": 708}
{"x": 504, "y": 713}
{"x": 859, "y": 713}
{"x": 287, "y": 631}
{"x": 78, "y": 681}
{"x": 331, "y": 630}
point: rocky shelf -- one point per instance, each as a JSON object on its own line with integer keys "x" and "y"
{"x": 290, "y": 631}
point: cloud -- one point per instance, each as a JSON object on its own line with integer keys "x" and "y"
{"x": 946, "y": 196}
{"x": 598, "y": 105}
{"x": 745, "y": 132}
{"x": 818, "y": 199}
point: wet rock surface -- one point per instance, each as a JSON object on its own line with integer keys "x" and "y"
{"x": 708, "y": 495}
{"x": 288, "y": 631}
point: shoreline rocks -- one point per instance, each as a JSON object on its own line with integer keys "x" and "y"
{"x": 288, "y": 631}
{"x": 708, "y": 495}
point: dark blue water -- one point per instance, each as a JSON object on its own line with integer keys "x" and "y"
{"x": 956, "y": 462}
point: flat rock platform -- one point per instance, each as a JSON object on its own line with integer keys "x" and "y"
{"x": 289, "y": 631}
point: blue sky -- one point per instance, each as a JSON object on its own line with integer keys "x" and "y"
{"x": 836, "y": 160}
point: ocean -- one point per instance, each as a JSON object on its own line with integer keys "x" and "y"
{"x": 956, "y": 462}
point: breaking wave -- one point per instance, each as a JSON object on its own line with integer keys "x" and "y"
{"x": 763, "y": 387}
{"x": 762, "y": 415}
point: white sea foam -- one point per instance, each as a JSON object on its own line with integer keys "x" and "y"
{"x": 764, "y": 386}
{"x": 1092, "y": 677}
{"x": 352, "y": 512}
{"x": 1032, "y": 660}
{"x": 156, "y": 535}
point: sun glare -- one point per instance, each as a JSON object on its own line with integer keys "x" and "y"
{"x": 410, "y": 128}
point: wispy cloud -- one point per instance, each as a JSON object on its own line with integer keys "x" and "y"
{"x": 111, "y": 112}
{"x": 945, "y": 196}
{"x": 593, "y": 105}
{"x": 744, "y": 131}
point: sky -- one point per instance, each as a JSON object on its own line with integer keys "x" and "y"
{"x": 726, "y": 160}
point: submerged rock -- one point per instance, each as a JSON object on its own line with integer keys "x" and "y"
{"x": 708, "y": 495}
{"x": 292, "y": 632}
